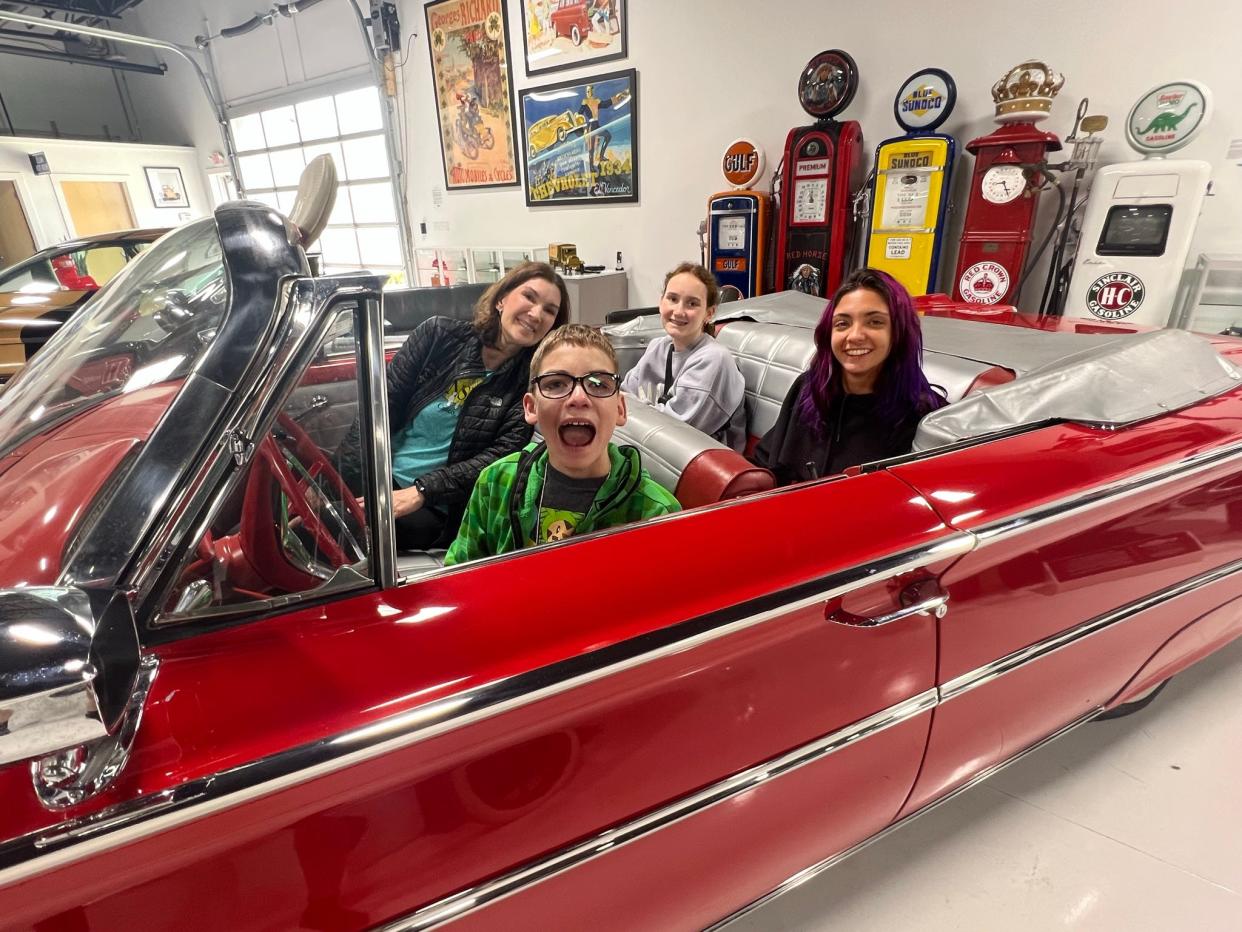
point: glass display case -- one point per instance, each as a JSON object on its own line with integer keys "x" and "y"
{"x": 442, "y": 266}
{"x": 450, "y": 265}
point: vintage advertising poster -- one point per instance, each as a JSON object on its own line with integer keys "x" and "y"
{"x": 580, "y": 139}
{"x": 469, "y": 41}
{"x": 559, "y": 34}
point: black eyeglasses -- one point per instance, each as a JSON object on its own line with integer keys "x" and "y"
{"x": 561, "y": 384}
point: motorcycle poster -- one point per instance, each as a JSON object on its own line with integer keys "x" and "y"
{"x": 559, "y": 34}
{"x": 580, "y": 140}
{"x": 469, "y": 41}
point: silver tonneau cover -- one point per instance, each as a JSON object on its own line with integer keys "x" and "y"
{"x": 1111, "y": 382}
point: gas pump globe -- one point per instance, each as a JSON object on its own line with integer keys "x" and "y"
{"x": 1004, "y": 191}
{"x": 822, "y": 165}
{"x": 737, "y": 222}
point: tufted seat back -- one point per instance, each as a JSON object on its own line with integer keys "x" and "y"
{"x": 695, "y": 468}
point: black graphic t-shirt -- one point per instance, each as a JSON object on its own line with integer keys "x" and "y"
{"x": 563, "y": 504}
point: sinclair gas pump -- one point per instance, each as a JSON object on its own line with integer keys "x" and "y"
{"x": 821, "y": 165}
{"x": 1142, "y": 215}
{"x": 737, "y": 223}
{"x": 910, "y": 189}
{"x": 1005, "y": 188}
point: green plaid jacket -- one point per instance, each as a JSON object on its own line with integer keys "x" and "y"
{"x": 503, "y": 511}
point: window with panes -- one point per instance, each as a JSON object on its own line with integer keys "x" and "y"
{"x": 274, "y": 145}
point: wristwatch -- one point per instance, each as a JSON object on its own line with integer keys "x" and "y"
{"x": 421, "y": 486}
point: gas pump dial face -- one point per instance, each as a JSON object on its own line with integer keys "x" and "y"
{"x": 1002, "y": 184}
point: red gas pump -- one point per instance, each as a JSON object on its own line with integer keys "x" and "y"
{"x": 822, "y": 164}
{"x": 1004, "y": 191}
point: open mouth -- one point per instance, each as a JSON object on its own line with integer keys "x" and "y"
{"x": 576, "y": 433}
{"x": 857, "y": 352}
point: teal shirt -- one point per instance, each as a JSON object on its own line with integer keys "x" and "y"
{"x": 423, "y": 444}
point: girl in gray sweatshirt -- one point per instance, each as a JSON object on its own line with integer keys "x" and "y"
{"x": 686, "y": 372}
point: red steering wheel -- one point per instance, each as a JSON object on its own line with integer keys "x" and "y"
{"x": 303, "y": 489}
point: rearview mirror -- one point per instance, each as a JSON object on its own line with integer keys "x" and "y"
{"x": 70, "y": 672}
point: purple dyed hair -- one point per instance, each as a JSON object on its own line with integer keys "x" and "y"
{"x": 901, "y": 390}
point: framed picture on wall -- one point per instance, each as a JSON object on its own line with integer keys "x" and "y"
{"x": 469, "y": 42}
{"x": 559, "y": 34}
{"x": 167, "y": 186}
{"x": 580, "y": 140}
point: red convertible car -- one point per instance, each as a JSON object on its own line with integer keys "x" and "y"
{"x": 227, "y": 702}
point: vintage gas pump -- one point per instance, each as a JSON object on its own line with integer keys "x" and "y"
{"x": 910, "y": 188}
{"x": 1142, "y": 215}
{"x": 1005, "y": 188}
{"x": 737, "y": 222}
{"x": 821, "y": 165}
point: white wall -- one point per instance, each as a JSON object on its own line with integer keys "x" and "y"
{"x": 74, "y": 160}
{"x": 713, "y": 70}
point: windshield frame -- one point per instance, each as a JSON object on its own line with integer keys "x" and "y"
{"x": 261, "y": 255}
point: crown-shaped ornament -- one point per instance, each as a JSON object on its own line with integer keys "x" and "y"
{"x": 1025, "y": 94}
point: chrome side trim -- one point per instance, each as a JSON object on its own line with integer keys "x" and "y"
{"x": 815, "y": 870}
{"x": 453, "y": 907}
{"x": 988, "y": 673}
{"x": 1107, "y": 494}
{"x": 467, "y": 901}
{"x": 127, "y": 822}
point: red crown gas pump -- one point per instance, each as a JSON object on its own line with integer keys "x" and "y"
{"x": 1001, "y": 210}
{"x": 821, "y": 165}
{"x": 737, "y": 222}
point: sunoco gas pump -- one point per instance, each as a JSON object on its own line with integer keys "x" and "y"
{"x": 1142, "y": 215}
{"x": 737, "y": 223}
{"x": 910, "y": 188}
{"x": 821, "y": 165}
{"x": 1004, "y": 192}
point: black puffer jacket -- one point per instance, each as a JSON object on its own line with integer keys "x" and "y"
{"x": 490, "y": 425}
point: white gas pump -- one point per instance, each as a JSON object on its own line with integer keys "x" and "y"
{"x": 1142, "y": 215}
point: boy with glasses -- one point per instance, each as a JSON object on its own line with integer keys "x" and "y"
{"x": 577, "y": 480}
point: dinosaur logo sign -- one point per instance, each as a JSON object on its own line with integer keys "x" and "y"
{"x": 1167, "y": 117}
{"x": 1115, "y": 295}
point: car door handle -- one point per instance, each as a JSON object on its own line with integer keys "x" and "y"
{"x": 920, "y": 598}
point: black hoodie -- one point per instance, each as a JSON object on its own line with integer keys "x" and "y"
{"x": 855, "y": 435}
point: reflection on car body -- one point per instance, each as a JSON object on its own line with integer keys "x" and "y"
{"x": 38, "y": 294}
{"x": 246, "y": 672}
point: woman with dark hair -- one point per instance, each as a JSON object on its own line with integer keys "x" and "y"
{"x": 864, "y": 393}
{"x": 455, "y": 400}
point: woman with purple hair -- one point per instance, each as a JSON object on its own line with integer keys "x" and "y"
{"x": 864, "y": 393}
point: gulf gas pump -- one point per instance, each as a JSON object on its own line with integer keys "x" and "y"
{"x": 737, "y": 222}
{"x": 910, "y": 188}
{"x": 821, "y": 165}
{"x": 1004, "y": 191}
{"x": 1142, "y": 215}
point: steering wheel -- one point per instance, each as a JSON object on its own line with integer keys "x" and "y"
{"x": 315, "y": 492}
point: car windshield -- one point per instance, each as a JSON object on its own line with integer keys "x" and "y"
{"x": 148, "y": 326}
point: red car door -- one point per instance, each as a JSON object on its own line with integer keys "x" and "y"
{"x": 1095, "y": 548}
{"x": 641, "y": 728}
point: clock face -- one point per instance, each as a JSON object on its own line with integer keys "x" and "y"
{"x": 1002, "y": 183}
